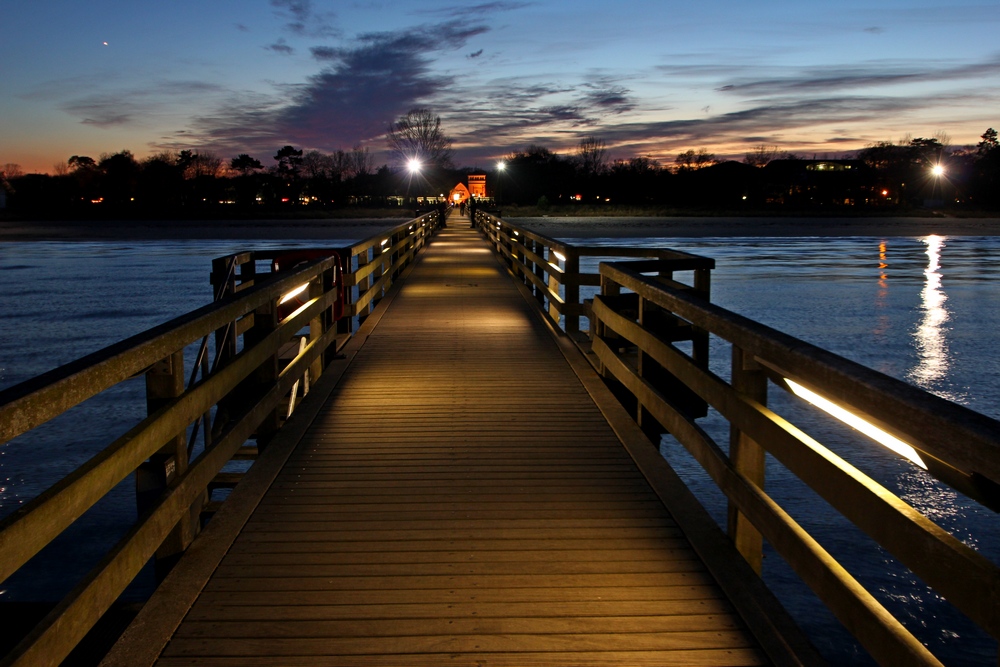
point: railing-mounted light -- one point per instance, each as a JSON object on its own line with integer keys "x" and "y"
{"x": 857, "y": 423}
{"x": 288, "y": 296}
{"x": 562, "y": 258}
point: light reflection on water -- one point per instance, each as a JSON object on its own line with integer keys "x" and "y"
{"x": 930, "y": 335}
{"x": 924, "y": 310}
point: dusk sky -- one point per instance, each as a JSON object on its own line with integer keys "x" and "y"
{"x": 649, "y": 77}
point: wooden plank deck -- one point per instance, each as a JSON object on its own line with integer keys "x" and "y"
{"x": 461, "y": 500}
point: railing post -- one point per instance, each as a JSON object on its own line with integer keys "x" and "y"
{"x": 363, "y": 283}
{"x": 165, "y": 381}
{"x": 747, "y": 457}
{"x": 571, "y": 277}
{"x": 318, "y": 325}
{"x": 554, "y": 281}
{"x": 264, "y": 322}
{"x": 346, "y": 323}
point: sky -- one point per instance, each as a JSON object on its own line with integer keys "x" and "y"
{"x": 648, "y": 77}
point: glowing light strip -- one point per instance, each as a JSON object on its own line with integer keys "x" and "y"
{"x": 288, "y": 296}
{"x": 559, "y": 255}
{"x": 857, "y": 423}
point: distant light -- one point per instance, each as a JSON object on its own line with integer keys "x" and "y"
{"x": 501, "y": 165}
{"x": 413, "y": 165}
{"x": 937, "y": 170}
{"x": 105, "y": 43}
{"x": 856, "y": 422}
{"x": 885, "y": 193}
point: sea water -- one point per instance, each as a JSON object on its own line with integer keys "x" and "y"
{"x": 923, "y": 309}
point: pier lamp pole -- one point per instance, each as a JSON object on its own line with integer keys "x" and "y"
{"x": 501, "y": 167}
{"x": 413, "y": 167}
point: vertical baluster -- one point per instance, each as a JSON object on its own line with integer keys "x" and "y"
{"x": 364, "y": 283}
{"x": 164, "y": 382}
{"x": 747, "y": 456}
{"x": 571, "y": 278}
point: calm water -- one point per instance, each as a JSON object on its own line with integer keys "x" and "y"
{"x": 921, "y": 309}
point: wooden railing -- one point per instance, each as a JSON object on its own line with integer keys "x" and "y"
{"x": 246, "y": 393}
{"x": 636, "y": 323}
{"x": 552, "y": 270}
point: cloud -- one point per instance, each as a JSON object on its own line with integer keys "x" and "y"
{"x": 303, "y": 20}
{"x": 475, "y": 54}
{"x": 875, "y": 30}
{"x": 613, "y": 99}
{"x": 358, "y": 92}
{"x": 281, "y": 47}
{"x": 829, "y": 79}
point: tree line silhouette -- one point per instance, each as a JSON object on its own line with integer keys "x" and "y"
{"x": 886, "y": 175}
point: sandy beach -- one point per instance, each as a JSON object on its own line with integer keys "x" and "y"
{"x": 558, "y": 227}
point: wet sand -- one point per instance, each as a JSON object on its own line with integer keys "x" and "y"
{"x": 558, "y": 227}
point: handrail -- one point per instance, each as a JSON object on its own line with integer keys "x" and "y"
{"x": 246, "y": 390}
{"x": 634, "y": 320}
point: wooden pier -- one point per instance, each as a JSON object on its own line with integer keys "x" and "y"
{"x": 460, "y": 499}
{"x": 467, "y": 483}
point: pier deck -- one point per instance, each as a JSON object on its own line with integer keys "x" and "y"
{"x": 460, "y": 499}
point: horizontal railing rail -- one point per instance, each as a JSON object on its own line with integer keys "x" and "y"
{"x": 261, "y": 360}
{"x": 635, "y": 320}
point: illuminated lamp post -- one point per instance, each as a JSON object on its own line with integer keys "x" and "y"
{"x": 413, "y": 169}
{"x": 501, "y": 167}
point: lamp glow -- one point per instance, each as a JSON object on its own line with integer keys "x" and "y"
{"x": 937, "y": 170}
{"x": 288, "y": 296}
{"x": 561, "y": 257}
{"x": 857, "y": 423}
{"x": 413, "y": 165}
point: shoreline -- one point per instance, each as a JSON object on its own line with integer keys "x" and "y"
{"x": 557, "y": 227}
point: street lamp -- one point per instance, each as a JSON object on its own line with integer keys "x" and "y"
{"x": 413, "y": 167}
{"x": 501, "y": 166}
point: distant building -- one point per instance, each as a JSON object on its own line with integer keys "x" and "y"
{"x": 477, "y": 184}
{"x": 458, "y": 194}
{"x": 476, "y": 188}
{"x": 812, "y": 183}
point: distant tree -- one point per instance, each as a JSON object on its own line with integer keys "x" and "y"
{"x": 592, "y": 153}
{"x": 418, "y": 136}
{"x": 340, "y": 164}
{"x": 703, "y": 159}
{"x": 760, "y": 155}
{"x": 161, "y": 181}
{"x": 289, "y": 161}
{"x": 317, "y": 165}
{"x": 989, "y": 142}
{"x": 202, "y": 165}
{"x": 689, "y": 159}
{"x": 78, "y": 162}
{"x": 245, "y": 165}
{"x": 362, "y": 162}
{"x": 685, "y": 161}
{"x": 121, "y": 174}
{"x": 11, "y": 170}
